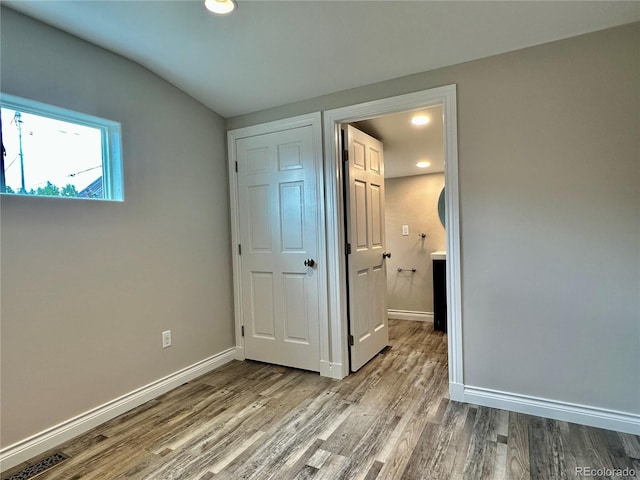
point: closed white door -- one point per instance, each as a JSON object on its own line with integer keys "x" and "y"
{"x": 364, "y": 169}
{"x": 277, "y": 214}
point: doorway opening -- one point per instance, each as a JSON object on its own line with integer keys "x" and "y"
{"x": 413, "y": 143}
{"x": 336, "y": 339}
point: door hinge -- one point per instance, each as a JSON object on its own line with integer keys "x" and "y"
{"x": 242, "y": 330}
{"x": 348, "y": 249}
{"x": 351, "y": 340}
{"x": 345, "y": 155}
{"x": 239, "y": 249}
{"x": 236, "y": 166}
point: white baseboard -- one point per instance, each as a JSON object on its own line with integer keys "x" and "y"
{"x": 410, "y": 315}
{"x": 331, "y": 370}
{"x": 54, "y": 436}
{"x": 541, "y": 407}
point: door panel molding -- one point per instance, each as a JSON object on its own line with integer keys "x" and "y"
{"x": 288, "y": 161}
{"x": 445, "y": 96}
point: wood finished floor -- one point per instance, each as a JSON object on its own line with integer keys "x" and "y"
{"x": 391, "y": 420}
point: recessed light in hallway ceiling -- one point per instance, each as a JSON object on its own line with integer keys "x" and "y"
{"x": 420, "y": 120}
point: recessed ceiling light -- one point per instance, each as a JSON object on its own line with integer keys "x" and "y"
{"x": 423, "y": 164}
{"x": 420, "y": 120}
{"x": 220, "y": 7}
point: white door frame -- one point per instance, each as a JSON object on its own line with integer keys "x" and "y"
{"x": 315, "y": 121}
{"x": 445, "y": 96}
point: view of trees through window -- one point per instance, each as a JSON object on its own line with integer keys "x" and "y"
{"x": 51, "y": 157}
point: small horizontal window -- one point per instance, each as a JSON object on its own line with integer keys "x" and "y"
{"x": 48, "y": 151}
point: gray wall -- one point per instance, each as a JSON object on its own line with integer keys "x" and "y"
{"x": 88, "y": 287}
{"x": 412, "y": 201}
{"x": 549, "y": 214}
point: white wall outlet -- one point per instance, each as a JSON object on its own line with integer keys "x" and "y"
{"x": 405, "y": 230}
{"x": 166, "y": 339}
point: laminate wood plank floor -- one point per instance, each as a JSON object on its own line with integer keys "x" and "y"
{"x": 391, "y": 420}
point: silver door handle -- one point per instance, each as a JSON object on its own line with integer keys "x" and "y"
{"x": 309, "y": 262}
{"x": 386, "y": 255}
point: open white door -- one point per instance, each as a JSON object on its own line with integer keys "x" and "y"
{"x": 364, "y": 177}
{"x": 278, "y": 238}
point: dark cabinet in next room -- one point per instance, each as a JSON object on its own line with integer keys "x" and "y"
{"x": 439, "y": 260}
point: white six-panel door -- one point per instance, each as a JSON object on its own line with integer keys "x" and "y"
{"x": 277, "y": 214}
{"x": 364, "y": 178}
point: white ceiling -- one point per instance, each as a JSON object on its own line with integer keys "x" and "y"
{"x": 270, "y": 53}
{"x": 406, "y": 144}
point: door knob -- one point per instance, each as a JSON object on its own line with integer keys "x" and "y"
{"x": 386, "y": 255}
{"x": 309, "y": 262}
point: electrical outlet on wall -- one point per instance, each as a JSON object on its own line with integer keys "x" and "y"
{"x": 166, "y": 339}
{"x": 405, "y": 230}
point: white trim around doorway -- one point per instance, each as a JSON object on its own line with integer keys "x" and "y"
{"x": 338, "y": 367}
